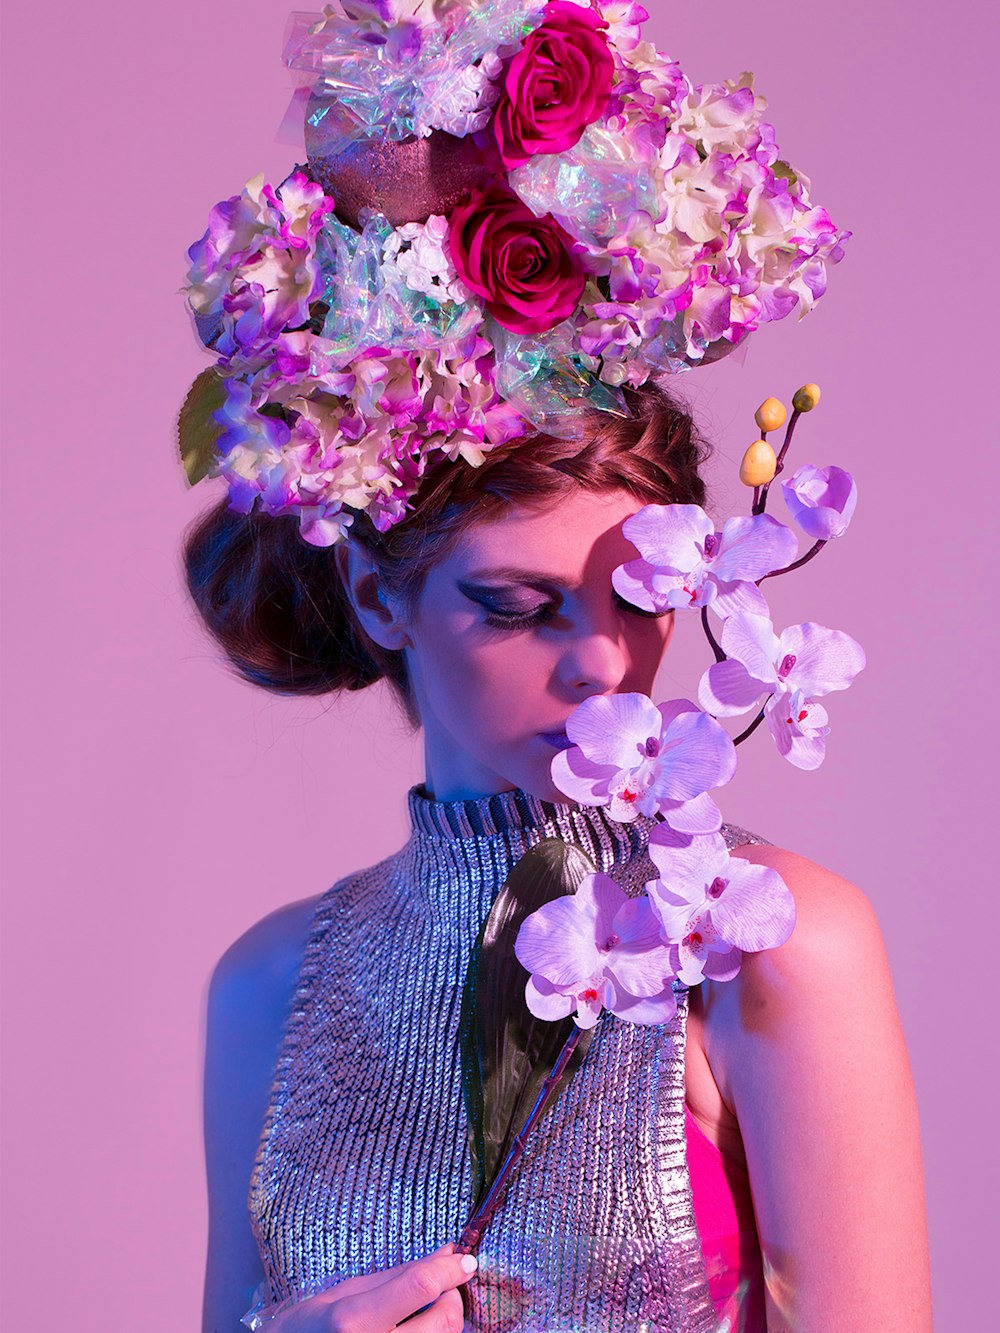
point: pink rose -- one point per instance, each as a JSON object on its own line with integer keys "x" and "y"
{"x": 521, "y": 265}
{"x": 556, "y": 85}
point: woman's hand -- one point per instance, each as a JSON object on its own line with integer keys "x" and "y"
{"x": 380, "y": 1302}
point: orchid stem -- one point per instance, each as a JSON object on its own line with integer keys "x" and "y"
{"x": 751, "y": 729}
{"x": 813, "y": 550}
{"x": 761, "y": 500}
{"x": 789, "y": 431}
{"x": 720, "y": 656}
{"x": 475, "y": 1228}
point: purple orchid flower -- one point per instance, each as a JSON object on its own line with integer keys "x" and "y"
{"x": 687, "y": 563}
{"x": 713, "y": 907}
{"x": 798, "y": 728}
{"x": 805, "y": 662}
{"x": 821, "y": 500}
{"x": 596, "y": 949}
{"x": 637, "y": 757}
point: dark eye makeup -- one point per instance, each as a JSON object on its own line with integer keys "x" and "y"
{"x": 499, "y": 616}
{"x": 502, "y": 619}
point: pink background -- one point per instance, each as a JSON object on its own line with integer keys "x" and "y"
{"x": 155, "y": 807}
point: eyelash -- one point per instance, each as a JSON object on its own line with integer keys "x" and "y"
{"x": 530, "y": 619}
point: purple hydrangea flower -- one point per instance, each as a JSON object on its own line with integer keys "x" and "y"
{"x": 255, "y": 270}
{"x": 687, "y": 563}
{"x": 596, "y": 949}
{"x": 713, "y": 907}
{"x": 821, "y": 500}
{"x": 637, "y": 757}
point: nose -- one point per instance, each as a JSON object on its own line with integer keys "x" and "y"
{"x": 593, "y": 662}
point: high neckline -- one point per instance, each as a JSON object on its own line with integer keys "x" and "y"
{"x": 506, "y": 811}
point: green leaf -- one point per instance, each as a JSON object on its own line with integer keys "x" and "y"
{"x": 506, "y": 1051}
{"x": 197, "y": 432}
{"x": 785, "y": 172}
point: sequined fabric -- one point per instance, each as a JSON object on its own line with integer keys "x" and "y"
{"x": 363, "y": 1162}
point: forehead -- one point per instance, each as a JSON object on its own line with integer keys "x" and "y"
{"x": 578, "y": 534}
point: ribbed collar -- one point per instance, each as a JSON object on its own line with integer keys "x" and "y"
{"x": 510, "y": 811}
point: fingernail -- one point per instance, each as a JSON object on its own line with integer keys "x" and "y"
{"x": 469, "y": 1263}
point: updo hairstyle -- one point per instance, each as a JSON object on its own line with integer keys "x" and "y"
{"x": 279, "y": 610}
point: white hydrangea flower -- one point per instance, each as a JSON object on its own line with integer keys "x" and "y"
{"x": 416, "y": 251}
{"x": 696, "y": 203}
{"x": 458, "y": 101}
{"x": 721, "y": 116}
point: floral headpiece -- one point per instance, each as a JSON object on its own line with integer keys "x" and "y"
{"x": 509, "y": 209}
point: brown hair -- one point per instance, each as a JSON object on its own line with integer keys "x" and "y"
{"x": 278, "y": 608}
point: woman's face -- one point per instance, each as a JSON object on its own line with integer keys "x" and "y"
{"x": 513, "y": 630}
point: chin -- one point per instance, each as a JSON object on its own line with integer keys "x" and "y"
{"x": 546, "y": 790}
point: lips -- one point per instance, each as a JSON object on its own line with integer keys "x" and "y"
{"x": 557, "y": 739}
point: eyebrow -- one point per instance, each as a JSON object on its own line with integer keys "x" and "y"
{"x": 513, "y": 573}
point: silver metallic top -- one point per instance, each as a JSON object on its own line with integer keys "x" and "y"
{"x": 362, "y": 1162}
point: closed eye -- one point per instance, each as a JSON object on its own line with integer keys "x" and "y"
{"x": 640, "y": 610}
{"x": 503, "y": 619}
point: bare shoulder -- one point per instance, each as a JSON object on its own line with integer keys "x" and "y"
{"x": 249, "y": 997}
{"x": 834, "y": 964}
{"x": 266, "y": 956}
{"x": 836, "y": 926}
{"x": 807, "y": 1049}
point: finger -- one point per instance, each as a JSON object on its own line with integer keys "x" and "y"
{"x": 381, "y": 1308}
{"x": 446, "y": 1315}
{"x": 369, "y": 1281}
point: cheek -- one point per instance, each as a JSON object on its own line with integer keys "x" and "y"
{"x": 489, "y": 687}
{"x": 506, "y": 675}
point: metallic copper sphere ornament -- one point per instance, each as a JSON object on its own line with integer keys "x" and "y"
{"x": 406, "y": 180}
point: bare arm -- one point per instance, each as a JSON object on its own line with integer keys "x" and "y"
{"x": 249, "y": 996}
{"x": 808, "y": 1052}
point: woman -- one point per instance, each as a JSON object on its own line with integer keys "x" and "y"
{"x": 436, "y": 348}
{"x": 770, "y": 1178}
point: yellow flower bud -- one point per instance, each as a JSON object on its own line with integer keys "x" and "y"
{"x": 770, "y": 415}
{"x": 759, "y": 463}
{"x": 806, "y": 398}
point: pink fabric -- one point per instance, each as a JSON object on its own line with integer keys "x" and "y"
{"x": 723, "y": 1209}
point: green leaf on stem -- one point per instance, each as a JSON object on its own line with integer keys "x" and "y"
{"x": 197, "y": 431}
{"x": 507, "y": 1053}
